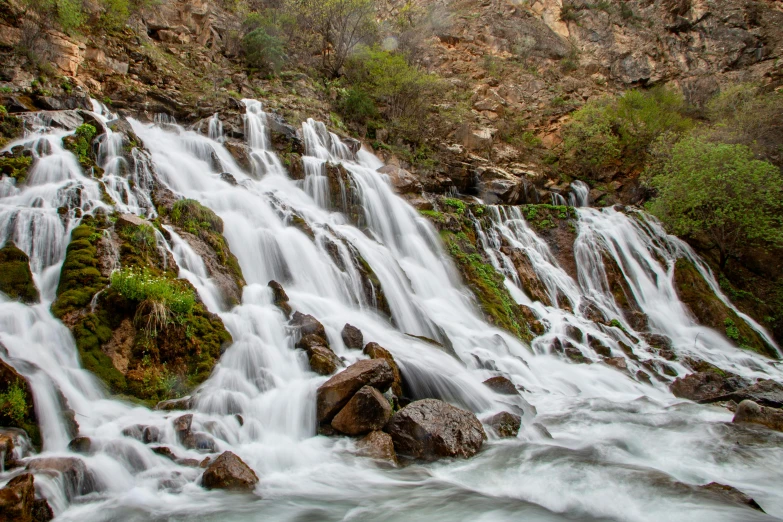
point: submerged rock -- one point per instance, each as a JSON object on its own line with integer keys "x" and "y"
{"x": 77, "y": 479}
{"x": 230, "y": 472}
{"x": 352, "y": 337}
{"x": 377, "y": 445}
{"x": 708, "y": 386}
{"x": 337, "y": 391}
{"x": 81, "y": 445}
{"x": 505, "y": 424}
{"x": 749, "y": 411}
{"x": 431, "y": 429}
{"x": 731, "y": 494}
{"x": 367, "y": 410}
{"x": 280, "y": 298}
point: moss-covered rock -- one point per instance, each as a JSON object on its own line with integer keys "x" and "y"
{"x": 80, "y": 143}
{"x": 343, "y": 194}
{"x": 17, "y": 409}
{"x": 710, "y": 311}
{"x": 11, "y": 127}
{"x": 16, "y": 279}
{"x": 16, "y": 164}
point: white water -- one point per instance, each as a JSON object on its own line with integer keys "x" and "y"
{"x": 618, "y": 444}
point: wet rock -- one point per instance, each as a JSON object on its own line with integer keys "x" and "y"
{"x": 16, "y": 279}
{"x": 750, "y": 412}
{"x": 540, "y": 428}
{"x": 505, "y": 424}
{"x": 200, "y": 442}
{"x": 367, "y": 410}
{"x": 617, "y": 362}
{"x": 10, "y": 380}
{"x": 307, "y": 324}
{"x": 184, "y": 403}
{"x": 377, "y": 445}
{"x": 17, "y": 498}
{"x": 81, "y": 445}
{"x": 598, "y": 346}
{"x": 240, "y": 152}
{"x": 150, "y": 434}
{"x": 228, "y": 178}
{"x": 229, "y": 472}
{"x": 309, "y": 341}
{"x": 337, "y": 391}
{"x": 7, "y": 450}
{"x": 182, "y": 426}
{"x": 376, "y": 351}
{"x": 501, "y": 385}
{"x": 133, "y": 432}
{"x": 731, "y": 494}
{"x": 164, "y": 451}
{"x": 352, "y": 337}
{"x": 14, "y": 445}
{"x": 42, "y": 511}
{"x": 280, "y": 298}
{"x": 765, "y": 392}
{"x": 77, "y": 479}
{"x": 430, "y": 429}
{"x": 709, "y": 386}
{"x": 323, "y": 360}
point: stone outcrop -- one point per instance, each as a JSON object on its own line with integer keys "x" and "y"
{"x": 376, "y": 351}
{"x": 335, "y": 393}
{"x": 229, "y": 472}
{"x": 709, "y": 386}
{"x": 750, "y": 412}
{"x": 430, "y": 429}
{"x": 368, "y": 410}
{"x": 501, "y": 385}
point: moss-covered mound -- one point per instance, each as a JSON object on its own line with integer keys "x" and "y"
{"x": 710, "y": 311}
{"x": 141, "y": 330}
{"x": 11, "y": 127}
{"x": 16, "y": 164}
{"x": 16, "y": 279}
{"x": 17, "y": 409}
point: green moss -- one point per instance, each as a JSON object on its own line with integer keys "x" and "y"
{"x": 458, "y": 206}
{"x": 79, "y": 143}
{"x": 433, "y": 215}
{"x": 16, "y": 279}
{"x": 11, "y": 127}
{"x": 80, "y": 278}
{"x": 16, "y": 167}
{"x": 487, "y": 285}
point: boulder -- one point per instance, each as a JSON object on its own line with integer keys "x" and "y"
{"x": 765, "y": 392}
{"x": 307, "y": 324}
{"x": 337, "y": 391}
{"x": 309, "y": 341}
{"x": 77, "y": 479}
{"x": 280, "y": 298}
{"x": 182, "y": 426}
{"x": 184, "y": 403}
{"x": 430, "y": 429}
{"x": 200, "y": 442}
{"x": 367, "y": 410}
{"x": 501, "y": 385}
{"x": 16, "y": 279}
{"x": 229, "y": 472}
{"x": 323, "y": 360}
{"x": 81, "y": 445}
{"x": 42, "y": 511}
{"x": 376, "y": 351}
{"x": 403, "y": 181}
{"x": 505, "y": 424}
{"x": 750, "y": 412}
{"x": 17, "y": 498}
{"x": 352, "y": 337}
{"x": 708, "y": 386}
{"x": 377, "y": 445}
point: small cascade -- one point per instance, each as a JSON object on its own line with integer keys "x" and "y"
{"x": 579, "y": 196}
{"x": 215, "y": 128}
{"x": 382, "y": 268}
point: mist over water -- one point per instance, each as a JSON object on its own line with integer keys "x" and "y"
{"x": 618, "y": 449}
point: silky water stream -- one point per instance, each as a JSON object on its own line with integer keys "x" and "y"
{"x": 619, "y": 449}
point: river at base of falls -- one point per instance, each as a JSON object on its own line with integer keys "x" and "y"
{"x": 613, "y": 448}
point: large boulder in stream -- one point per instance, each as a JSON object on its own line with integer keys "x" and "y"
{"x": 367, "y": 410}
{"x": 352, "y": 337}
{"x": 707, "y": 386}
{"x": 750, "y": 412}
{"x": 377, "y": 445}
{"x": 323, "y": 360}
{"x": 506, "y": 425}
{"x": 307, "y": 325}
{"x": 335, "y": 393}
{"x": 501, "y": 385}
{"x": 229, "y": 472}
{"x": 376, "y": 351}
{"x": 431, "y": 429}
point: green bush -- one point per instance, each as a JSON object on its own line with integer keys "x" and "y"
{"x": 13, "y": 403}
{"x": 263, "y": 51}
{"x": 718, "y": 194}
{"x": 356, "y": 105}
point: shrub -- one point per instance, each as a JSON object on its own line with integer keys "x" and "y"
{"x": 356, "y": 105}
{"x": 263, "y": 51}
{"x": 718, "y": 194}
{"x": 13, "y": 403}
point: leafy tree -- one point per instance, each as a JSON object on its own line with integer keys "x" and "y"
{"x": 341, "y": 25}
{"x": 263, "y": 51}
{"x": 718, "y": 194}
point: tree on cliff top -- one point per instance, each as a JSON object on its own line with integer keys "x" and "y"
{"x": 340, "y": 25}
{"x": 718, "y": 194}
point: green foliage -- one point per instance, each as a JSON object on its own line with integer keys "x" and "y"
{"x": 16, "y": 167}
{"x": 356, "y": 105}
{"x": 79, "y": 143}
{"x": 614, "y": 132}
{"x": 11, "y": 127}
{"x": 192, "y": 216}
{"x": 80, "y": 278}
{"x": 719, "y": 194}
{"x": 141, "y": 285}
{"x": 732, "y": 332}
{"x": 16, "y": 279}
{"x": 569, "y": 13}
{"x": 263, "y": 51}
{"x": 458, "y": 206}
{"x": 13, "y": 403}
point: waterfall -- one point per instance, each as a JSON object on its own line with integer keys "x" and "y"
{"x": 608, "y": 427}
{"x": 579, "y": 196}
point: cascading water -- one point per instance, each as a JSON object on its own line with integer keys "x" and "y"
{"x": 579, "y": 195}
{"x": 617, "y": 444}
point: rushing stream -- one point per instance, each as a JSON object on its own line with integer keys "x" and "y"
{"x": 619, "y": 447}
